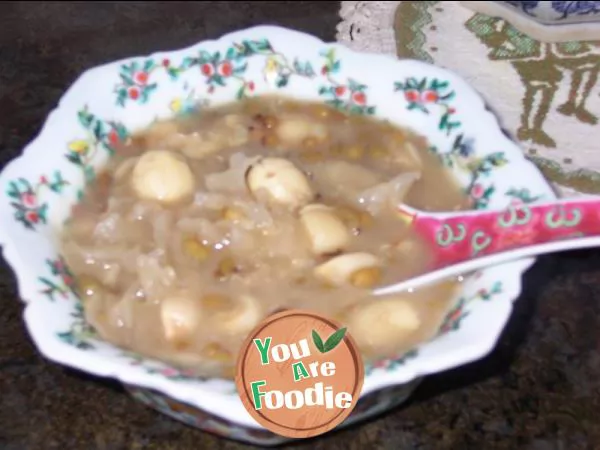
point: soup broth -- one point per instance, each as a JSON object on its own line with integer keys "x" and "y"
{"x": 200, "y": 227}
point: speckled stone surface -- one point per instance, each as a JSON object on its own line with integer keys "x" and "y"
{"x": 539, "y": 390}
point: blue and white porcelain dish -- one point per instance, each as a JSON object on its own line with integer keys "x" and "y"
{"x": 546, "y": 21}
{"x": 558, "y": 13}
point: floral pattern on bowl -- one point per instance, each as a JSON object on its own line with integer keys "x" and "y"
{"x": 106, "y": 104}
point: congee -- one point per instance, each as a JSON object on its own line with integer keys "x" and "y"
{"x": 201, "y": 226}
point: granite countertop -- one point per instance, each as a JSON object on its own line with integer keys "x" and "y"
{"x": 538, "y": 390}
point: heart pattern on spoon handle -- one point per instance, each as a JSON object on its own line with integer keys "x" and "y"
{"x": 459, "y": 237}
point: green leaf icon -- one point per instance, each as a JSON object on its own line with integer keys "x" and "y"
{"x": 318, "y": 341}
{"x": 334, "y": 340}
{"x": 331, "y": 343}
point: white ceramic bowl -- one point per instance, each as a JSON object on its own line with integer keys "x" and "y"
{"x": 108, "y": 102}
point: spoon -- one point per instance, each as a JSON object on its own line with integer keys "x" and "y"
{"x": 468, "y": 241}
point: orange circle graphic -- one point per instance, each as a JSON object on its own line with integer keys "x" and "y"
{"x": 299, "y": 374}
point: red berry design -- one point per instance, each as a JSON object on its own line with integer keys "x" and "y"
{"x": 166, "y": 62}
{"x": 43, "y": 180}
{"x": 225, "y": 69}
{"x": 169, "y": 372}
{"x": 359, "y": 98}
{"x": 207, "y": 70}
{"x": 411, "y": 96}
{"x": 113, "y": 137}
{"x": 430, "y": 97}
{"x": 32, "y": 216}
{"x": 340, "y": 90}
{"x": 67, "y": 279}
{"x": 28, "y": 199}
{"x": 324, "y": 70}
{"x": 141, "y": 77}
{"x": 251, "y": 86}
{"x": 133, "y": 92}
{"x": 477, "y": 191}
{"x": 455, "y": 315}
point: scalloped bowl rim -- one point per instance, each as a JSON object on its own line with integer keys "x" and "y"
{"x": 231, "y": 407}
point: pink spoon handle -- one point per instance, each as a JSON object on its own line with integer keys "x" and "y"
{"x": 468, "y": 241}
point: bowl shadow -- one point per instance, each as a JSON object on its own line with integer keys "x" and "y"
{"x": 107, "y": 383}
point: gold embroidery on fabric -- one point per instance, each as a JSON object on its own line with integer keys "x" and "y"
{"x": 542, "y": 67}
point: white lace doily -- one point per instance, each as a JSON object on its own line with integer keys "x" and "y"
{"x": 368, "y": 26}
